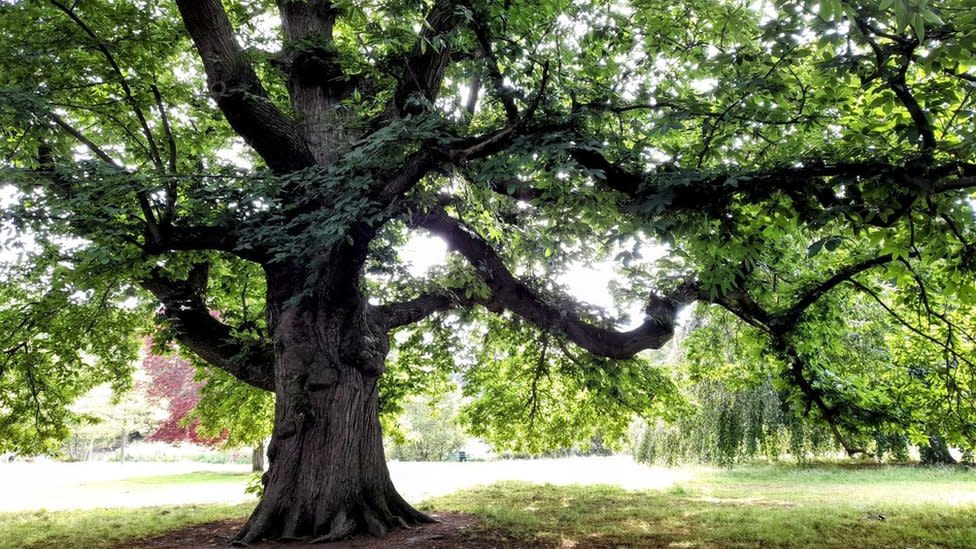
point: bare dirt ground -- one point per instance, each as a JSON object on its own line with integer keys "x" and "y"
{"x": 451, "y": 531}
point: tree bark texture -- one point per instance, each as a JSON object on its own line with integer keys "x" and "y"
{"x": 327, "y": 476}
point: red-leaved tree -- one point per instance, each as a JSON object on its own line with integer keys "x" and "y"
{"x": 172, "y": 378}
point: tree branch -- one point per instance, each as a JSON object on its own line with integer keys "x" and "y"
{"x": 457, "y": 153}
{"x": 394, "y": 315}
{"x": 431, "y": 54}
{"x": 816, "y": 396}
{"x": 238, "y": 91}
{"x": 167, "y": 130}
{"x": 204, "y": 237}
{"x": 813, "y": 294}
{"x": 815, "y": 180}
{"x": 516, "y": 296}
{"x": 503, "y": 93}
{"x": 74, "y": 132}
{"x": 896, "y": 82}
{"x": 917, "y": 331}
{"x": 126, "y": 90}
{"x": 196, "y": 329}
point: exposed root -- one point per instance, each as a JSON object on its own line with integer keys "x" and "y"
{"x": 373, "y": 524}
{"x": 342, "y": 527}
{"x": 376, "y": 518}
{"x": 257, "y": 524}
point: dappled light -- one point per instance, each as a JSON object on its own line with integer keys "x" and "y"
{"x": 517, "y": 273}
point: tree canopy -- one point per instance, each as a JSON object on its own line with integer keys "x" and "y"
{"x": 246, "y": 173}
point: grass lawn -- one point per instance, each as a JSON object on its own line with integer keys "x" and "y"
{"x": 761, "y": 506}
{"x": 196, "y": 477}
{"x": 90, "y": 529}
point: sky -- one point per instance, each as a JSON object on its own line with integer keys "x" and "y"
{"x": 587, "y": 284}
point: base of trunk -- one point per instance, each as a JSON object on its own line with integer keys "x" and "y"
{"x": 285, "y": 521}
{"x": 328, "y": 478}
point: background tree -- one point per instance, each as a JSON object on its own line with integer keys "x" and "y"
{"x": 428, "y": 430}
{"x": 238, "y": 413}
{"x": 108, "y": 420}
{"x": 206, "y": 407}
{"x": 171, "y": 379}
{"x": 789, "y": 156}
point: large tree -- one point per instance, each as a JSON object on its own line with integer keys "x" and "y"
{"x": 785, "y": 157}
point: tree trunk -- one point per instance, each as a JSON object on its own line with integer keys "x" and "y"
{"x": 327, "y": 476}
{"x": 257, "y": 458}
{"x": 125, "y": 439}
{"x": 936, "y": 452}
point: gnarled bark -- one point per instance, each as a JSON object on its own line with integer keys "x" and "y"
{"x": 327, "y": 477}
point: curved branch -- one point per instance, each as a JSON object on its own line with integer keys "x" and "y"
{"x": 792, "y": 314}
{"x": 213, "y": 341}
{"x": 394, "y": 315}
{"x": 238, "y": 91}
{"x": 516, "y": 296}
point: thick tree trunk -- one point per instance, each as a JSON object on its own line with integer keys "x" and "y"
{"x": 327, "y": 476}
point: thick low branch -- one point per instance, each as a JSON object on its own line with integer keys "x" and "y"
{"x": 213, "y": 341}
{"x": 516, "y": 296}
{"x": 238, "y": 91}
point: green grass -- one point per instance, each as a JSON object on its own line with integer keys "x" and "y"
{"x": 198, "y": 477}
{"x": 771, "y": 506}
{"x": 104, "y": 527}
{"x": 827, "y": 506}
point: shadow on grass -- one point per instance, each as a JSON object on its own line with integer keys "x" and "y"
{"x": 697, "y": 516}
{"x": 753, "y": 507}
